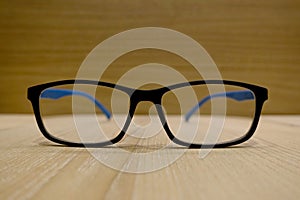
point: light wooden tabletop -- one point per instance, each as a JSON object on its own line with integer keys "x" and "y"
{"x": 266, "y": 167}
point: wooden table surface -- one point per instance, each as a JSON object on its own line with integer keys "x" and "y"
{"x": 266, "y": 167}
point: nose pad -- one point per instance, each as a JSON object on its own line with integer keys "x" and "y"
{"x": 146, "y": 122}
{"x": 161, "y": 113}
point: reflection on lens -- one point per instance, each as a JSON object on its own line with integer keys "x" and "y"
{"x": 98, "y": 113}
{"x": 190, "y": 111}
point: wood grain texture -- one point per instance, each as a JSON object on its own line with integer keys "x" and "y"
{"x": 266, "y": 167}
{"x": 256, "y": 42}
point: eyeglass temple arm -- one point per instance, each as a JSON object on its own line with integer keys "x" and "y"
{"x": 241, "y": 95}
{"x": 51, "y": 93}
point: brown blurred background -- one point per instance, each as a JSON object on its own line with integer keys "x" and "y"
{"x": 250, "y": 41}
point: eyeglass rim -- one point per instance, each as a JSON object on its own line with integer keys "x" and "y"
{"x": 33, "y": 94}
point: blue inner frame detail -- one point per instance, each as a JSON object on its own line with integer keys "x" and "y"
{"x": 51, "y": 93}
{"x": 241, "y": 95}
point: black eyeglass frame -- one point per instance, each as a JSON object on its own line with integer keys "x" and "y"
{"x": 154, "y": 96}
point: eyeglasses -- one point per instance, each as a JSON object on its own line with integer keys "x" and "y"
{"x": 185, "y": 110}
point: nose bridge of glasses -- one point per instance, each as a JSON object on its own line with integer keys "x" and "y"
{"x": 150, "y": 96}
{"x": 153, "y": 96}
